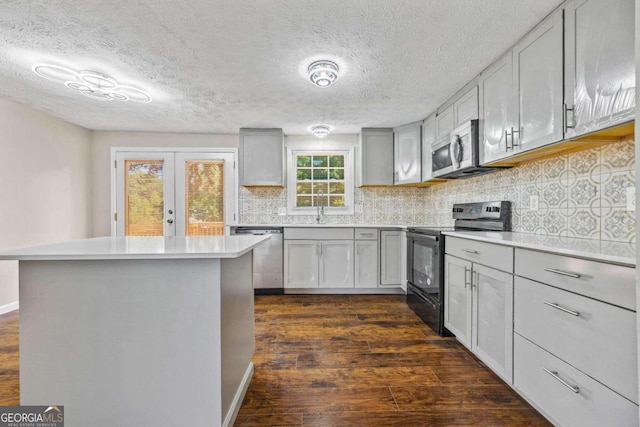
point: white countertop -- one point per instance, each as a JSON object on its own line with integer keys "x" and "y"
{"x": 612, "y": 252}
{"x": 140, "y": 248}
{"x": 323, "y": 225}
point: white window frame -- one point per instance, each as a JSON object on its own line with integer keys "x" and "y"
{"x": 292, "y": 177}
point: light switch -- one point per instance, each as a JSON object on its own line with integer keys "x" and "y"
{"x": 533, "y": 203}
{"x": 282, "y": 211}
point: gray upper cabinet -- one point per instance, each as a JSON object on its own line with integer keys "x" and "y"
{"x": 407, "y": 141}
{"x": 537, "y": 74}
{"x": 599, "y": 64}
{"x": 429, "y": 137}
{"x": 497, "y": 109}
{"x": 261, "y": 156}
{"x": 521, "y": 95}
{"x": 375, "y": 157}
{"x": 445, "y": 122}
{"x": 465, "y": 108}
{"x": 457, "y": 111}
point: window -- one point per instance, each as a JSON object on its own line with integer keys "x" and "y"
{"x": 320, "y": 178}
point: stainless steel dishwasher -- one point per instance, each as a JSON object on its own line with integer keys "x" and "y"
{"x": 267, "y": 260}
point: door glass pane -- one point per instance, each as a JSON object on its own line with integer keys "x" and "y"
{"x": 144, "y": 197}
{"x": 204, "y": 195}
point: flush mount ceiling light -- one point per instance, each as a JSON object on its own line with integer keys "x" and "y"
{"x": 320, "y": 131}
{"x": 91, "y": 84}
{"x": 323, "y": 73}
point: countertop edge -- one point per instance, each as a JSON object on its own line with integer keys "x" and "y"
{"x": 22, "y": 254}
{"x": 611, "y": 259}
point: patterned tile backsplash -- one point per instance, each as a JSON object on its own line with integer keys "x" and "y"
{"x": 581, "y": 194}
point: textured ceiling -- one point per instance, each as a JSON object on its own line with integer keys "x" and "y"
{"x": 215, "y": 66}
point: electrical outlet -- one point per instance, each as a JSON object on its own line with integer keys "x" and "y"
{"x": 282, "y": 211}
{"x": 533, "y": 203}
{"x": 631, "y": 198}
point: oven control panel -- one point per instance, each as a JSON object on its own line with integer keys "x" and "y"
{"x": 500, "y": 210}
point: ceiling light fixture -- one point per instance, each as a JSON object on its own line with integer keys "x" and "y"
{"x": 323, "y": 73}
{"x": 92, "y": 84}
{"x": 320, "y": 131}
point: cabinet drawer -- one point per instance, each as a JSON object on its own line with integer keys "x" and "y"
{"x": 496, "y": 256}
{"x": 593, "y": 404}
{"x": 318, "y": 233}
{"x": 366, "y": 233}
{"x": 614, "y": 284}
{"x": 600, "y": 340}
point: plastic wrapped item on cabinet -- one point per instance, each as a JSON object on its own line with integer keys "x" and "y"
{"x": 604, "y": 91}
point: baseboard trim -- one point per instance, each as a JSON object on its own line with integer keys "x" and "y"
{"x": 230, "y": 419}
{"x": 346, "y": 291}
{"x": 7, "y": 308}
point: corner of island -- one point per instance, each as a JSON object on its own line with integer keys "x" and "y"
{"x": 152, "y": 330}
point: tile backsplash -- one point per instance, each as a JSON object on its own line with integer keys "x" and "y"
{"x": 581, "y": 194}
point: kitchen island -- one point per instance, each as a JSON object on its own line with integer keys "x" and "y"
{"x": 138, "y": 331}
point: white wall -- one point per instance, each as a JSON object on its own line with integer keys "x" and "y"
{"x": 101, "y": 143}
{"x": 44, "y": 184}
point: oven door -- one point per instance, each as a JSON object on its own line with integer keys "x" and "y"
{"x": 424, "y": 259}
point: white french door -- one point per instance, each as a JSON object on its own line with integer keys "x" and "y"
{"x": 169, "y": 193}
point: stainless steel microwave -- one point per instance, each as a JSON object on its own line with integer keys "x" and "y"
{"x": 458, "y": 156}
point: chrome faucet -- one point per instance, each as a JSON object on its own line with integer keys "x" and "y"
{"x": 320, "y": 207}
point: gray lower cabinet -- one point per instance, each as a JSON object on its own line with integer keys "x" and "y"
{"x": 407, "y": 141}
{"x": 375, "y": 157}
{"x": 599, "y": 64}
{"x": 575, "y": 352}
{"x": 261, "y": 157}
{"x": 565, "y": 395}
{"x": 479, "y": 301}
{"x": 366, "y": 258}
{"x": 391, "y": 259}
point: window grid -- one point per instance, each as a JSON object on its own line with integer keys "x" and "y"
{"x": 320, "y": 180}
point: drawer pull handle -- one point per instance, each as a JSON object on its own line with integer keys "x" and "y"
{"x": 554, "y": 374}
{"x": 469, "y": 251}
{"x": 561, "y": 308}
{"x": 563, "y": 273}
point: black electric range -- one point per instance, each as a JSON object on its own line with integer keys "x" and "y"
{"x": 425, "y": 256}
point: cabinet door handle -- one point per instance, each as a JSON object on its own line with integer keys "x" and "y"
{"x": 474, "y": 283}
{"x": 506, "y": 141}
{"x": 561, "y": 308}
{"x": 555, "y": 375}
{"x": 565, "y": 118}
{"x": 318, "y": 249}
{"x": 469, "y": 251}
{"x": 513, "y": 143}
{"x": 467, "y": 283}
{"x": 562, "y": 273}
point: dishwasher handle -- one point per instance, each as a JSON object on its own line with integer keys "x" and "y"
{"x": 258, "y": 231}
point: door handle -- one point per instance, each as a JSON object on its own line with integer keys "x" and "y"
{"x": 467, "y": 283}
{"x": 506, "y": 141}
{"x": 513, "y": 143}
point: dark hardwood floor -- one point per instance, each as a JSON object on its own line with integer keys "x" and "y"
{"x": 348, "y": 361}
{"x": 367, "y": 361}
